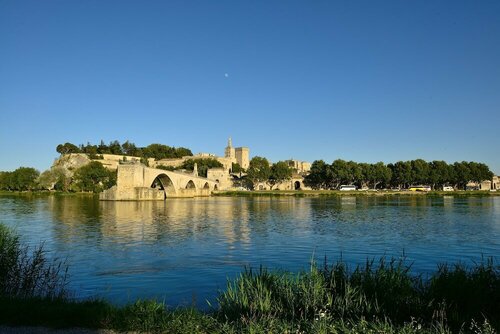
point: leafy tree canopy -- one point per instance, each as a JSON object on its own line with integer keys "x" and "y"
{"x": 203, "y": 165}
{"x": 258, "y": 170}
{"x": 156, "y": 151}
{"x": 93, "y": 177}
{"x": 280, "y": 172}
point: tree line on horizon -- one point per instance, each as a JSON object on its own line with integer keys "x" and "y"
{"x": 92, "y": 177}
{"x": 401, "y": 174}
{"x": 156, "y": 151}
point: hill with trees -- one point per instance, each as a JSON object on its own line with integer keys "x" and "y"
{"x": 156, "y": 151}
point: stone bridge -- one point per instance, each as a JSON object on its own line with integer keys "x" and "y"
{"x": 138, "y": 182}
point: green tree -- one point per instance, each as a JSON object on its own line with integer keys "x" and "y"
{"x": 479, "y": 172}
{"x": 462, "y": 174}
{"x": 236, "y": 168}
{"x": 258, "y": 170}
{"x": 170, "y": 168}
{"x": 317, "y": 176}
{"x": 93, "y": 177}
{"x": 23, "y": 178}
{"x": 115, "y": 147}
{"x": 420, "y": 171}
{"x": 182, "y": 152}
{"x": 159, "y": 151}
{"x": 340, "y": 173}
{"x": 204, "y": 164}
{"x": 54, "y": 179}
{"x": 129, "y": 148}
{"x": 380, "y": 174}
{"x": 67, "y": 148}
{"x": 440, "y": 174}
{"x": 402, "y": 175}
{"x": 102, "y": 148}
{"x": 280, "y": 172}
{"x": 6, "y": 180}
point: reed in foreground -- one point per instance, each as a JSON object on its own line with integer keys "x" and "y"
{"x": 379, "y": 297}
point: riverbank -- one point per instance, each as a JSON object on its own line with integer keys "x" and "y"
{"x": 272, "y": 193}
{"x": 381, "y": 296}
{"x": 317, "y": 193}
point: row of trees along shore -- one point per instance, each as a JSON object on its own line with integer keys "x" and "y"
{"x": 156, "y": 151}
{"x": 400, "y": 175}
{"x": 93, "y": 177}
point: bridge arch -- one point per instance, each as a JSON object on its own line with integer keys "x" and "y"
{"x": 206, "y": 186}
{"x": 164, "y": 182}
{"x": 190, "y": 185}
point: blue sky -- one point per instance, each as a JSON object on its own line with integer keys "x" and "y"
{"x": 358, "y": 80}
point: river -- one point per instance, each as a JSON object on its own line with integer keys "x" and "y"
{"x": 181, "y": 251}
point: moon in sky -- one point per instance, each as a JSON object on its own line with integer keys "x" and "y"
{"x": 226, "y": 75}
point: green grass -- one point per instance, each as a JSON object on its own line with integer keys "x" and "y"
{"x": 378, "y": 297}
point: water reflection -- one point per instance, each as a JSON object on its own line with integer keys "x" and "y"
{"x": 172, "y": 249}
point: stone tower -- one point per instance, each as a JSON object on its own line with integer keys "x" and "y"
{"x": 243, "y": 156}
{"x": 229, "y": 152}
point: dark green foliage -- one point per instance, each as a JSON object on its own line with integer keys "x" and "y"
{"x": 170, "y": 168}
{"x": 236, "y": 168}
{"x": 67, "y": 148}
{"x": 204, "y": 164}
{"x": 401, "y": 174}
{"x": 159, "y": 151}
{"x": 27, "y": 273}
{"x": 385, "y": 291}
{"x": 156, "y": 151}
{"x": 318, "y": 177}
{"x": 280, "y": 172}
{"x": 258, "y": 170}
{"x": 22, "y": 179}
{"x": 466, "y": 293}
{"x": 93, "y": 177}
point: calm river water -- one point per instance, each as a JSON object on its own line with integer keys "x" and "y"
{"x": 182, "y": 250}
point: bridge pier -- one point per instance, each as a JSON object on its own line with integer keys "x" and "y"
{"x": 136, "y": 182}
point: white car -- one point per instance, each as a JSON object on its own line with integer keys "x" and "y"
{"x": 448, "y": 188}
{"x": 347, "y": 187}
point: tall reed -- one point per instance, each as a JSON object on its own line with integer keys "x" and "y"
{"x": 27, "y": 272}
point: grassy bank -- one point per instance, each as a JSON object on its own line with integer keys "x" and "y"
{"x": 44, "y": 193}
{"x": 333, "y": 193}
{"x": 379, "y": 297}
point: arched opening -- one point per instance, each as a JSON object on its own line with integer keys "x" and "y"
{"x": 190, "y": 185}
{"x": 216, "y": 188}
{"x": 163, "y": 182}
{"x": 296, "y": 185}
{"x": 206, "y": 186}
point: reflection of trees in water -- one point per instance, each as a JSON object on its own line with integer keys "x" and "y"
{"x": 80, "y": 216}
{"x": 172, "y": 221}
{"x": 239, "y": 219}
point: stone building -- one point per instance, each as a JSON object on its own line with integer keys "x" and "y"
{"x": 239, "y": 155}
{"x": 299, "y": 167}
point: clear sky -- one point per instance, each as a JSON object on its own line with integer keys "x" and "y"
{"x": 359, "y": 80}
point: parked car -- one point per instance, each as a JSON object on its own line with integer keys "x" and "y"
{"x": 448, "y": 188}
{"x": 419, "y": 188}
{"x": 347, "y": 187}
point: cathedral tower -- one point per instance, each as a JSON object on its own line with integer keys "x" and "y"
{"x": 229, "y": 152}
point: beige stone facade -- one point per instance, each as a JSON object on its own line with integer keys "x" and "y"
{"x": 138, "y": 182}
{"x": 299, "y": 167}
{"x": 239, "y": 155}
{"x": 295, "y": 183}
{"x": 495, "y": 183}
